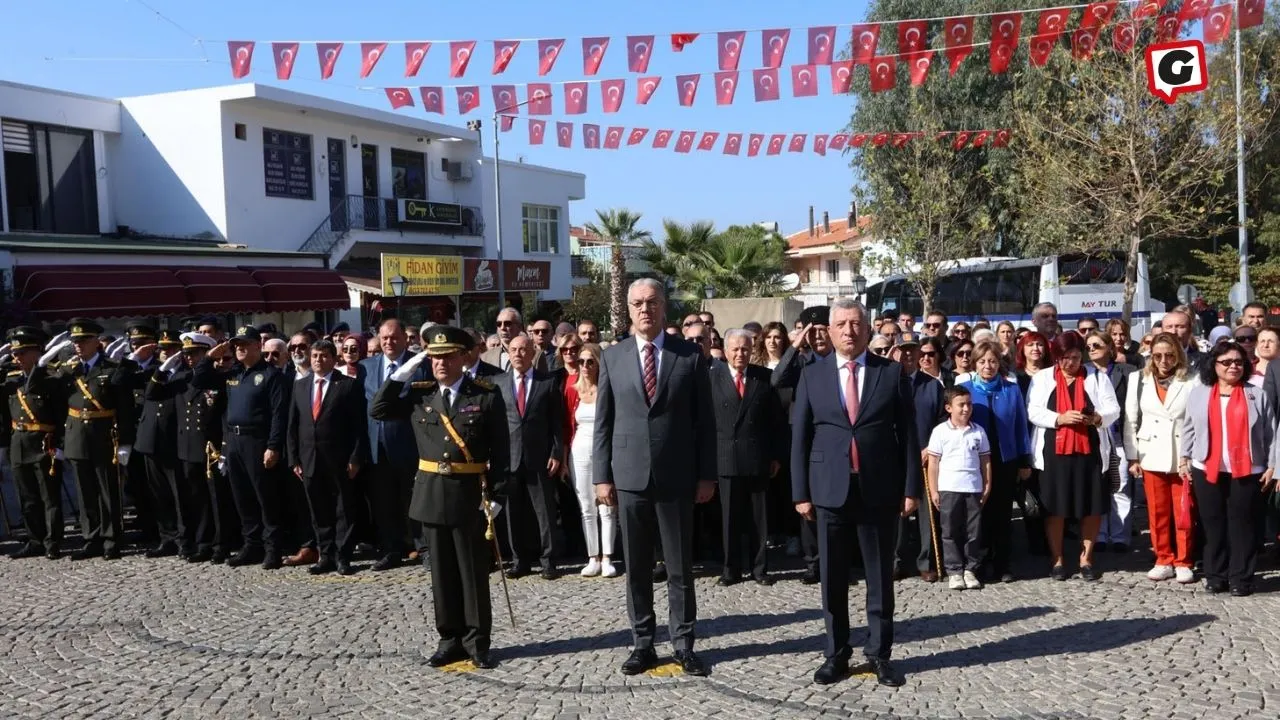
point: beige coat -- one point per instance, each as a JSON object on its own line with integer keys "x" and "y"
{"x": 1156, "y": 443}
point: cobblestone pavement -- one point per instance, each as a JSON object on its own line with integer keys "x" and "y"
{"x": 140, "y": 638}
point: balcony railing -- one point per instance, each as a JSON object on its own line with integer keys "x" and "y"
{"x": 381, "y": 214}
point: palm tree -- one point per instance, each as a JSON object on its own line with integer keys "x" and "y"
{"x": 617, "y": 227}
{"x": 741, "y": 261}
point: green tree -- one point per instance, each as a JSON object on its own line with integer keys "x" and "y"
{"x": 618, "y": 227}
{"x": 592, "y": 300}
{"x": 741, "y": 261}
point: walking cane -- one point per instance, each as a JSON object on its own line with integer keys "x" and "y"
{"x": 490, "y": 535}
{"x": 933, "y": 528}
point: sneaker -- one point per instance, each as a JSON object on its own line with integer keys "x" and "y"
{"x": 1162, "y": 572}
{"x": 607, "y": 569}
{"x": 956, "y": 582}
{"x": 971, "y": 581}
{"x": 793, "y": 547}
{"x": 592, "y": 569}
{"x": 1184, "y": 575}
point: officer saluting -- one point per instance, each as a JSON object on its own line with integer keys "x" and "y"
{"x": 253, "y": 443}
{"x": 461, "y": 429}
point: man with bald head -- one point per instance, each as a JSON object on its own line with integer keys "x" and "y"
{"x": 510, "y": 324}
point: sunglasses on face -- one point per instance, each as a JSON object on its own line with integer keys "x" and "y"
{"x": 929, "y": 354}
{"x": 350, "y": 349}
{"x": 540, "y": 331}
{"x": 587, "y": 360}
{"x": 1231, "y": 362}
{"x": 506, "y": 323}
{"x": 964, "y": 353}
{"x": 1096, "y": 346}
{"x": 880, "y": 350}
{"x": 570, "y": 350}
{"x": 296, "y": 348}
{"x": 272, "y": 355}
{"x": 1247, "y": 339}
{"x": 933, "y": 326}
{"x": 1159, "y": 357}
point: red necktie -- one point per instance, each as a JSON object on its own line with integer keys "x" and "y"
{"x": 650, "y": 374}
{"x": 520, "y": 397}
{"x": 316, "y": 398}
{"x": 742, "y": 390}
{"x": 851, "y": 405}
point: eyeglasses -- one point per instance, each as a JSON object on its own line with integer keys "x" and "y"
{"x": 506, "y": 323}
{"x": 351, "y": 349}
{"x": 1164, "y": 356}
{"x": 540, "y": 331}
{"x": 1231, "y": 362}
{"x": 567, "y": 350}
{"x": 964, "y": 353}
{"x": 933, "y": 326}
{"x": 929, "y": 354}
{"x": 272, "y": 355}
{"x": 880, "y": 350}
{"x": 1096, "y": 346}
{"x": 1247, "y": 338}
{"x": 293, "y": 348}
{"x": 587, "y": 360}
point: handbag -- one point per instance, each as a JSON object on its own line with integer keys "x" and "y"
{"x": 1032, "y": 508}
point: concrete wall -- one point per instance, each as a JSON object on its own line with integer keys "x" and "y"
{"x": 50, "y": 107}
{"x": 533, "y": 185}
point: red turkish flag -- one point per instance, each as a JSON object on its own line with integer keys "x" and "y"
{"x": 506, "y": 122}
{"x": 732, "y": 143}
{"x": 913, "y": 36}
{"x": 841, "y": 77}
{"x": 1217, "y": 24}
{"x": 821, "y": 44}
{"x": 753, "y": 144}
{"x": 865, "y": 39}
{"x": 503, "y": 51}
{"x": 399, "y": 97}
{"x": 804, "y": 80}
{"x": 774, "y": 43}
{"x": 537, "y": 129}
{"x": 820, "y": 144}
{"x": 837, "y": 142}
{"x": 879, "y": 139}
{"x": 637, "y": 136}
{"x": 539, "y": 97}
{"x": 459, "y": 55}
{"x": 1005, "y": 31}
{"x": 726, "y": 87}
{"x": 564, "y": 134}
{"x": 688, "y": 88}
{"x": 1001, "y": 139}
{"x": 729, "y": 48}
{"x": 591, "y": 137}
{"x": 775, "y": 144}
{"x": 708, "y": 141}
{"x": 1168, "y": 27}
{"x": 900, "y": 140}
{"x": 1148, "y": 8}
{"x": 548, "y": 51}
{"x": 1124, "y": 35}
{"x": 884, "y": 73}
{"x": 1040, "y": 48}
{"x": 504, "y": 99}
{"x": 857, "y": 140}
{"x": 684, "y": 143}
{"x": 593, "y": 53}
{"x": 959, "y": 32}
{"x": 1251, "y": 12}
{"x": 328, "y": 54}
{"x": 370, "y": 54}
{"x": 919, "y": 64}
{"x": 468, "y": 98}
{"x": 959, "y": 140}
{"x": 1083, "y": 42}
{"x": 679, "y": 40}
{"x": 611, "y": 92}
{"x": 414, "y": 54}
{"x": 639, "y": 49}
{"x": 241, "y": 52}
{"x": 1052, "y": 23}
{"x": 432, "y": 99}
{"x": 613, "y": 137}
{"x": 575, "y": 98}
{"x": 284, "y": 54}
{"x": 797, "y": 142}
{"x": 645, "y": 88}
{"x": 1193, "y": 10}
{"x": 1098, "y": 14}
{"x": 981, "y": 138}
{"x": 661, "y": 139}
{"x": 766, "y": 83}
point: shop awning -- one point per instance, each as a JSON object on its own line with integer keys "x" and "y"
{"x": 293, "y": 289}
{"x": 221, "y": 290}
{"x": 61, "y": 292}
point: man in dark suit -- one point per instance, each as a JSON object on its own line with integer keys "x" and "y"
{"x": 654, "y": 454}
{"x": 475, "y": 367}
{"x": 916, "y": 532}
{"x": 854, "y": 456}
{"x": 328, "y": 442}
{"x": 750, "y": 427}
{"x": 157, "y": 443}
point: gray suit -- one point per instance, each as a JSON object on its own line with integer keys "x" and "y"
{"x": 655, "y": 454}
{"x": 496, "y": 357}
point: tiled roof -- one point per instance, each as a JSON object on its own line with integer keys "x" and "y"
{"x": 839, "y": 234}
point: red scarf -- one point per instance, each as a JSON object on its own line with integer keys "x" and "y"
{"x": 1236, "y": 439}
{"x": 1071, "y": 439}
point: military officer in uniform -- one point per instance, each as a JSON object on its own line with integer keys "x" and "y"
{"x": 157, "y": 443}
{"x": 253, "y": 441}
{"x": 460, "y": 425}
{"x": 30, "y": 433}
{"x": 138, "y": 484}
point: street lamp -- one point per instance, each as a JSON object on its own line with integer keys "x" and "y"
{"x": 710, "y": 291}
{"x": 399, "y": 288}
{"x": 859, "y": 284}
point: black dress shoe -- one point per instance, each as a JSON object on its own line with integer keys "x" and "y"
{"x": 639, "y": 661}
{"x": 200, "y": 556}
{"x": 549, "y": 573}
{"x": 326, "y": 565}
{"x": 272, "y": 562}
{"x": 446, "y": 657}
{"x": 1241, "y": 590}
{"x": 1213, "y": 588}
{"x": 245, "y": 557}
{"x": 659, "y": 573}
{"x": 387, "y": 562}
{"x": 483, "y": 661}
{"x": 53, "y": 552}
{"x": 161, "y": 550}
{"x": 1088, "y": 574}
{"x": 218, "y": 557}
{"x": 886, "y": 673}
{"x": 691, "y": 664}
{"x": 833, "y": 670}
{"x": 811, "y": 577}
{"x": 111, "y": 554}
{"x": 517, "y": 571}
{"x": 87, "y": 552}
{"x": 1059, "y": 573}
{"x": 763, "y": 580}
{"x": 28, "y": 550}
{"x": 728, "y": 579}
{"x": 344, "y": 567}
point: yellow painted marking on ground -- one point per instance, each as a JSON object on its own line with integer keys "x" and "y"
{"x": 670, "y": 669}
{"x": 463, "y": 666}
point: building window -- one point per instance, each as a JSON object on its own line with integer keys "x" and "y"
{"x": 408, "y": 175}
{"x": 51, "y": 179}
{"x": 286, "y": 164}
{"x": 833, "y": 271}
{"x": 541, "y": 228}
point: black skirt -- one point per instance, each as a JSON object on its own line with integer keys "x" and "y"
{"x": 1073, "y": 486}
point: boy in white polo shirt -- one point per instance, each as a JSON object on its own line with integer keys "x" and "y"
{"x": 959, "y": 477}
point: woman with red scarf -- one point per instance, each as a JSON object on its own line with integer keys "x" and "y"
{"x": 1228, "y": 454}
{"x": 1067, "y": 406}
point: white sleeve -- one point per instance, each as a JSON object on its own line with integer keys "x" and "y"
{"x": 1038, "y": 411}
{"x": 985, "y": 447}
{"x": 936, "y": 440}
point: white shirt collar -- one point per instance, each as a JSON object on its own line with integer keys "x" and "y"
{"x": 327, "y": 378}
{"x": 527, "y": 374}
{"x": 657, "y": 342}
{"x": 453, "y": 389}
{"x": 841, "y": 360}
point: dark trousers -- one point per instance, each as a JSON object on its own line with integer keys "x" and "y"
{"x": 256, "y": 492}
{"x": 961, "y": 515}
{"x": 1228, "y": 509}
{"x": 392, "y": 486}
{"x": 460, "y": 560}
{"x": 297, "y": 510}
{"x": 168, "y": 500}
{"x": 744, "y": 504}
{"x": 997, "y": 519}
{"x": 38, "y": 493}
{"x": 101, "y": 519}
{"x": 331, "y": 497}
{"x": 876, "y": 531}
{"x": 137, "y": 487}
{"x": 643, "y": 513}
{"x": 916, "y": 533}
{"x": 531, "y": 497}
{"x": 199, "y": 517}
{"x": 808, "y": 541}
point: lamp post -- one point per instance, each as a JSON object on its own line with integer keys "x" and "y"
{"x": 399, "y": 288}
{"x": 859, "y": 285}
{"x": 710, "y": 291}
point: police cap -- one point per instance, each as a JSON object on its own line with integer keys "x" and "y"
{"x": 445, "y": 340}
{"x": 247, "y": 333}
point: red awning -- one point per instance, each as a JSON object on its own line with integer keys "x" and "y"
{"x": 221, "y": 290}
{"x": 61, "y": 292}
{"x": 293, "y": 289}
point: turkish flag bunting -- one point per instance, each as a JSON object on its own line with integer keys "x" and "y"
{"x": 684, "y": 143}
{"x": 564, "y": 134}
{"x": 506, "y": 121}
{"x": 821, "y": 44}
{"x": 732, "y": 143}
{"x": 503, "y": 51}
{"x": 539, "y": 98}
{"x": 804, "y": 80}
{"x": 775, "y": 144}
{"x": 820, "y": 144}
{"x": 1217, "y": 24}
{"x": 414, "y": 54}
{"x": 1167, "y": 28}
{"x": 1001, "y": 139}
{"x": 1193, "y": 10}
{"x": 774, "y": 44}
{"x": 661, "y": 139}
{"x": 879, "y": 139}
{"x": 688, "y": 86}
{"x": 729, "y": 48}
{"x": 284, "y": 55}
{"x": 865, "y": 39}
{"x": 1251, "y": 12}
{"x": 913, "y": 36}
{"x": 919, "y": 64}
{"x": 639, "y": 50}
{"x": 1098, "y": 14}
{"x": 1083, "y": 42}
{"x": 766, "y": 83}
{"x": 548, "y": 51}
{"x": 797, "y": 142}
{"x": 591, "y": 137}
{"x": 593, "y": 53}
{"x": 328, "y": 54}
{"x": 753, "y": 144}
{"x": 1052, "y": 23}
{"x": 1123, "y": 36}
{"x": 959, "y": 140}
{"x": 841, "y": 77}
{"x": 432, "y": 99}
{"x": 726, "y": 87}
{"x": 679, "y": 40}
{"x": 1006, "y": 28}
{"x": 613, "y": 137}
{"x": 837, "y": 142}
{"x": 645, "y": 87}
{"x": 611, "y": 92}
{"x": 637, "y": 136}
{"x": 504, "y": 99}
{"x": 468, "y": 98}
{"x": 959, "y": 40}
{"x": 857, "y": 140}
{"x": 1148, "y": 8}
{"x": 1040, "y": 48}
{"x": 900, "y": 140}
{"x": 575, "y": 98}
{"x": 399, "y": 97}
{"x": 884, "y": 73}
{"x": 708, "y": 141}
{"x": 981, "y": 138}
{"x": 537, "y": 129}
{"x": 459, "y": 55}
{"x": 370, "y": 54}
{"x": 241, "y": 52}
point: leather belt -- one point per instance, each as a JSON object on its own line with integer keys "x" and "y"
{"x": 445, "y": 467}
{"x": 32, "y": 427}
{"x": 91, "y": 414}
{"x": 246, "y": 429}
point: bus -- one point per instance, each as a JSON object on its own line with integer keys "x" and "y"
{"x": 1004, "y": 288}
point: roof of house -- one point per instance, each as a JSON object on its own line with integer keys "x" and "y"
{"x": 839, "y": 234}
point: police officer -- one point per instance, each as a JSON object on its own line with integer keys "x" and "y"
{"x": 138, "y": 484}
{"x": 461, "y": 430}
{"x": 157, "y": 444}
{"x": 253, "y": 442}
{"x": 30, "y": 433}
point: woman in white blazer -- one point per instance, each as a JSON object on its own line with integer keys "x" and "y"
{"x": 1154, "y": 407}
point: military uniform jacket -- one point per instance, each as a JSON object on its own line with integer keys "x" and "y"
{"x": 109, "y": 388}
{"x": 139, "y": 375}
{"x": 158, "y": 426}
{"x": 42, "y": 397}
{"x": 200, "y": 414}
{"x": 479, "y": 416}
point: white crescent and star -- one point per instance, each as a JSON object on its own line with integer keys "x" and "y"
{"x": 463, "y": 53}
{"x": 775, "y": 41}
{"x": 821, "y": 41}
{"x": 641, "y": 49}
{"x": 330, "y": 54}
{"x": 867, "y": 40}
{"x": 731, "y": 46}
{"x": 286, "y": 56}
{"x": 433, "y": 98}
{"x": 804, "y": 76}
{"x": 912, "y": 37}
{"x": 649, "y": 86}
{"x": 551, "y": 50}
{"x": 1005, "y": 28}
{"x": 374, "y": 54}
{"x": 923, "y": 63}
{"x": 242, "y": 53}
{"x": 766, "y": 81}
{"x": 614, "y": 91}
{"x": 960, "y": 31}
{"x": 418, "y": 55}
{"x": 468, "y": 97}
{"x": 882, "y": 69}
{"x": 505, "y": 96}
{"x": 727, "y": 84}
{"x": 595, "y": 50}
{"x": 842, "y": 73}
{"x": 576, "y": 93}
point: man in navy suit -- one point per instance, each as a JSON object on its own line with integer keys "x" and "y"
{"x": 855, "y": 466}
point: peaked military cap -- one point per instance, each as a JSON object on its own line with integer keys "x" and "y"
{"x": 25, "y": 337}
{"x": 83, "y": 328}
{"x": 445, "y": 340}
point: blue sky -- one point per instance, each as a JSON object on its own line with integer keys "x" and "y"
{"x": 40, "y": 41}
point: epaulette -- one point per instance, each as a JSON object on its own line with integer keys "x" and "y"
{"x": 483, "y": 383}
{"x": 423, "y": 385}
{"x": 15, "y": 373}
